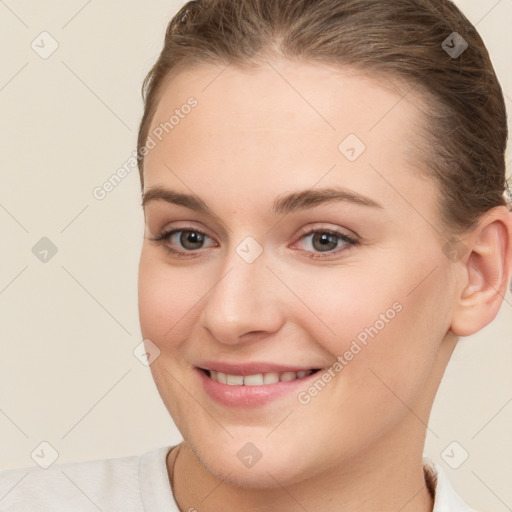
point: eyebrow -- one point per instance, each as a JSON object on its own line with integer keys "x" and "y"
{"x": 295, "y": 201}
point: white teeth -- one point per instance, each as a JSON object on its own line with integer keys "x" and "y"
{"x": 258, "y": 379}
{"x": 270, "y": 378}
{"x": 253, "y": 380}
{"x": 235, "y": 380}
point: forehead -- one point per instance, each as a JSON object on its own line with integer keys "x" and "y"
{"x": 276, "y": 93}
{"x": 281, "y": 122}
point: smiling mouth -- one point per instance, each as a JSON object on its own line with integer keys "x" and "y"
{"x": 258, "y": 379}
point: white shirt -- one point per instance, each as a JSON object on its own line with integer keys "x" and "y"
{"x": 137, "y": 483}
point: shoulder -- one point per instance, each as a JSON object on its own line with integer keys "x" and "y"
{"x": 104, "y": 484}
{"x": 445, "y": 497}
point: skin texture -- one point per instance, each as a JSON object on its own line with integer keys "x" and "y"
{"x": 256, "y": 135}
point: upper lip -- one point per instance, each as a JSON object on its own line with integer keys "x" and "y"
{"x": 251, "y": 368}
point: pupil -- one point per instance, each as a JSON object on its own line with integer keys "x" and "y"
{"x": 325, "y": 240}
{"x": 191, "y": 237}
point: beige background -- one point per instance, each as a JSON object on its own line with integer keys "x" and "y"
{"x": 68, "y": 375}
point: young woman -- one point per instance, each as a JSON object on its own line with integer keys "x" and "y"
{"x": 326, "y": 214}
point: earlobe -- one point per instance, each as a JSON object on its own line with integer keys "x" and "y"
{"x": 488, "y": 267}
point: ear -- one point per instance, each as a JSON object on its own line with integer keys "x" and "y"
{"x": 486, "y": 272}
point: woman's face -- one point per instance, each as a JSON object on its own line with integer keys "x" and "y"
{"x": 307, "y": 241}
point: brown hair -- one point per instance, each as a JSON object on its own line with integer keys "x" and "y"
{"x": 466, "y": 125}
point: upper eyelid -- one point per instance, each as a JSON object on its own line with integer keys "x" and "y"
{"x": 187, "y": 227}
{"x": 319, "y": 227}
{"x": 303, "y": 231}
{"x": 166, "y": 233}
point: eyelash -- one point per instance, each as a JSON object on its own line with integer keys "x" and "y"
{"x": 351, "y": 242}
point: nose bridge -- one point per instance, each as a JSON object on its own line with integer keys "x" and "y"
{"x": 243, "y": 298}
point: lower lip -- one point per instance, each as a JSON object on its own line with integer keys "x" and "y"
{"x": 250, "y": 396}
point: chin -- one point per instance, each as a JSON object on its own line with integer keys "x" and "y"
{"x": 236, "y": 462}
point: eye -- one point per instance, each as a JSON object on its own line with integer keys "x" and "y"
{"x": 189, "y": 239}
{"x": 319, "y": 243}
{"x": 327, "y": 241}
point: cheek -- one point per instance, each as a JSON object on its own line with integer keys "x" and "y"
{"x": 356, "y": 303}
{"x": 399, "y": 358}
{"x": 167, "y": 298}
{"x": 386, "y": 328}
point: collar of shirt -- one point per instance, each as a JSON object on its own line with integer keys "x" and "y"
{"x": 445, "y": 497}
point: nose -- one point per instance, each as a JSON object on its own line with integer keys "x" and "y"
{"x": 244, "y": 304}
